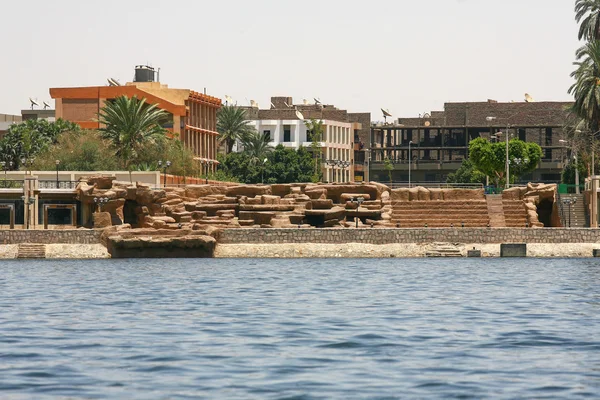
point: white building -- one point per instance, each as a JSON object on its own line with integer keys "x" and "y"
{"x": 283, "y": 126}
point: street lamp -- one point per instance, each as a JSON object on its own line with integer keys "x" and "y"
{"x": 208, "y": 164}
{"x": 358, "y": 201}
{"x": 164, "y": 166}
{"x": 100, "y": 201}
{"x": 262, "y": 172}
{"x": 574, "y": 150}
{"x": 343, "y": 164}
{"x": 57, "y": 164}
{"x": 332, "y": 164}
{"x": 569, "y": 202}
{"x": 409, "y": 162}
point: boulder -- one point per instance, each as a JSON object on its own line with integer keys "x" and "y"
{"x": 413, "y": 194}
{"x": 334, "y": 191}
{"x": 436, "y": 194}
{"x": 268, "y": 199}
{"x": 514, "y": 193}
{"x": 316, "y": 193}
{"x": 381, "y": 188}
{"x": 259, "y": 217}
{"x": 101, "y": 181}
{"x": 102, "y": 220}
{"x": 321, "y": 204}
{"x": 401, "y": 194}
{"x": 248, "y": 190}
{"x": 211, "y": 209}
{"x": 424, "y": 194}
{"x": 349, "y": 196}
{"x": 281, "y": 189}
{"x": 197, "y": 191}
{"x": 115, "y": 208}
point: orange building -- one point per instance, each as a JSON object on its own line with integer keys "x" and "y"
{"x": 192, "y": 116}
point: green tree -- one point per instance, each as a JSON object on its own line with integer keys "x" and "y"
{"x": 27, "y": 139}
{"x": 131, "y": 125}
{"x": 284, "y": 165}
{"x": 490, "y": 158}
{"x": 586, "y": 89}
{"x": 315, "y": 129}
{"x": 587, "y": 14}
{"x": 389, "y": 167}
{"x": 232, "y": 125}
{"x": 83, "y": 150}
{"x": 467, "y": 173}
{"x": 256, "y": 147}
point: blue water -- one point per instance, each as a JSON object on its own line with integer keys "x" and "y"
{"x": 300, "y": 329}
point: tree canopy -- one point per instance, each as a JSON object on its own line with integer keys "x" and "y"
{"x": 490, "y": 158}
{"x": 232, "y": 125}
{"x": 131, "y": 124}
{"x": 29, "y": 138}
{"x": 467, "y": 173}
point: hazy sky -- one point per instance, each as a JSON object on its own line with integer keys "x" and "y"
{"x": 410, "y": 56}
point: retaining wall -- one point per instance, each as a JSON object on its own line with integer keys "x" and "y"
{"x": 70, "y": 236}
{"x": 420, "y": 235}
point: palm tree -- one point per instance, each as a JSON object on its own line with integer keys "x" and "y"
{"x": 315, "y": 129}
{"x": 587, "y": 14}
{"x": 232, "y": 125}
{"x": 586, "y": 89}
{"x": 130, "y": 124}
{"x": 256, "y": 146}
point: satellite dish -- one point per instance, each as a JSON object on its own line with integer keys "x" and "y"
{"x": 253, "y": 104}
{"x": 113, "y": 82}
{"x": 299, "y": 115}
{"x": 528, "y": 98}
{"x": 427, "y": 123}
{"x": 228, "y": 99}
{"x": 33, "y": 103}
{"x": 386, "y": 113}
{"x": 46, "y": 105}
{"x": 317, "y": 101}
{"x": 305, "y": 101}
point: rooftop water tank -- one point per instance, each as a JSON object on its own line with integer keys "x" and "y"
{"x": 144, "y": 73}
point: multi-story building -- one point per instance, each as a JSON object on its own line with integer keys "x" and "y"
{"x": 282, "y": 124}
{"x": 438, "y": 141}
{"x": 6, "y": 120}
{"x": 191, "y": 116}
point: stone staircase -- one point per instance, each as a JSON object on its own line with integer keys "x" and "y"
{"x": 31, "y": 250}
{"x": 578, "y": 218}
{"x": 515, "y": 213}
{"x": 495, "y": 210}
{"x": 443, "y": 250}
{"x": 440, "y": 213}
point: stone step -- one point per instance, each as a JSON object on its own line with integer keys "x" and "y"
{"x": 31, "y": 250}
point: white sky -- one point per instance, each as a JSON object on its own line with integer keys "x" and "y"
{"x": 410, "y": 56}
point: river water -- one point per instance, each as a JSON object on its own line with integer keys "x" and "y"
{"x": 300, "y": 329}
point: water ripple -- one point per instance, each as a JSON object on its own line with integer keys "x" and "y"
{"x": 299, "y": 329}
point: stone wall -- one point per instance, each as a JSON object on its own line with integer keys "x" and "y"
{"x": 71, "y": 236}
{"x": 386, "y": 236}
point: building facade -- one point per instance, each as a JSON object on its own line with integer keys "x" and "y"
{"x": 6, "y": 120}
{"x": 282, "y": 124}
{"x": 192, "y": 116}
{"x": 439, "y": 141}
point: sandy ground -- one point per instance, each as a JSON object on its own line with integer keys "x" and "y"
{"x": 356, "y": 250}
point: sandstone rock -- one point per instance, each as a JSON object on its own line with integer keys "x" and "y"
{"x": 321, "y": 204}
{"x": 101, "y": 181}
{"x": 344, "y": 197}
{"x": 315, "y": 193}
{"x": 102, "y": 220}
{"x": 193, "y": 246}
{"x": 248, "y": 190}
{"x": 401, "y": 194}
{"x": 413, "y": 194}
{"x": 268, "y": 199}
{"x": 211, "y": 209}
{"x": 266, "y": 207}
{"x": 199, "y": 215}
{"x": 424, "y": 194}
{"x": 115, "y": 208}
{"x": 334, "y": 191}
{"x": 436, "y": 194}
{"x": 381, "y": 188}
{"x": 281, "y": 189}
{"x": 514, "y": 193}
{"x": 259, "y": 217}
{"x": 463, "y": 194}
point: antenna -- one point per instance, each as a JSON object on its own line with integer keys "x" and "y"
{"x": 46, "y": 105}
{"x": 33, "y": 103}
{"x": 528, "y": 98}
{"x": 386, "y": 113}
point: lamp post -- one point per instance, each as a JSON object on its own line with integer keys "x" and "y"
{"x": 332, "y": 164}
{"x": 164, "y": 166}
{"x": 100, "y": 201}
{"x": 574, "y": 150}
{"x": 57, "y": 164}
{"x": 262, "y": 172}
{"x": 344, "y": 165}
{"x": 569, "y": 202}
{"x": 208, "y": 164}
{"x": 409, "y": 162}
{"x": 358, "y": 201}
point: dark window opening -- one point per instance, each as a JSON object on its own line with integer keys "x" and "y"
{"x": 287, "y": 133}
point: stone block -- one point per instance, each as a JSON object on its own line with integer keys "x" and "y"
{"x": 474, "y": 253}
{"x": 513, "y": 250}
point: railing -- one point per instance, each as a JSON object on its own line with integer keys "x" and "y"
{"x": 435, "y": 185}
{"x": 11, "y": 184}
{"x": 58, "y": 184}
{"x": 564, "y": 188}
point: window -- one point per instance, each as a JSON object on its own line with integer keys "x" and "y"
{"x": 287, "y": 133}
{"x": 267, "y": 135}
